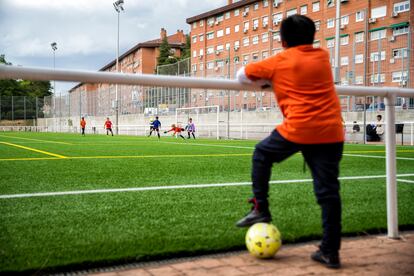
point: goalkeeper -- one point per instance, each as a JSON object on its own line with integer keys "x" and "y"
{"x": 177, "y": 131}
{"x": 303, "y": 85}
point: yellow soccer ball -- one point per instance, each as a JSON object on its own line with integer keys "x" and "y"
{"x": 263, "y": 240}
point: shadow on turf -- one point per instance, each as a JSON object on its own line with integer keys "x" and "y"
{"x": 139, "y": 261}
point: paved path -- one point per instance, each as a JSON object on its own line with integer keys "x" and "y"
{"x": 369, "y": 255}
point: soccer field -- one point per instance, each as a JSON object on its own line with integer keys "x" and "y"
{"x": 73, "y": 202}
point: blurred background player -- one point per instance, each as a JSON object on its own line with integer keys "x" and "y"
{"x": 302, "y": 81}
{"x": 83, "y": 125}
{"x": 108, "y": 126}
{"x": 177, "y": 131}
{"x": 156, "y": 125}
{"x": 151, "y": 127}
{"x": 190, "y": 127}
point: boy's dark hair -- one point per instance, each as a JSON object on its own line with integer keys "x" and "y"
{"x": 297, "y": 30}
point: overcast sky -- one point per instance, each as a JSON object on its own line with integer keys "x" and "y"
{"x": 85, "y": 30}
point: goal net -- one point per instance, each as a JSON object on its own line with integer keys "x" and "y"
{"x": 205, "y": 119}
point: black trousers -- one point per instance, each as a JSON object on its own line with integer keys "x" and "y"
{"x": 323, "y": 161}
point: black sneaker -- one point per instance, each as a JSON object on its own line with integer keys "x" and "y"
{"x": 330, "y": 261}
{"x": 253, "y": 217}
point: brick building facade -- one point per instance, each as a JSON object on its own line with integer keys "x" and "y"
{"x": 141, "y": 59}
{"x": 375, "y": 41}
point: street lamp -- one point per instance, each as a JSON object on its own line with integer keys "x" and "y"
{"x": 118, "y": 5}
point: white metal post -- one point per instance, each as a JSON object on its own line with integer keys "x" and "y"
{"x": 391, "y": 166}
{"x": 337, "y": 77}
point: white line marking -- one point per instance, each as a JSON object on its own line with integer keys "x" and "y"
{"x": 189, "y": 186}
{"x": 207, "y": 145}
{"x": 405, "y": 180}
{"x": 375, "y": 156}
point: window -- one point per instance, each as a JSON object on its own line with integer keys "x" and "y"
{"x": 246, "y": 26}
{"x": 380, "y": 34}
{"x": 344, "y": 61}
{"x": 220, "y": 63}
{"x": 228, "y": 46}
{"x": 256, "y": 6}
{"x": 236, "y": 12}
{"x": 265, "y": 37}
{"x": 201, "y": 37}
{"x": 359, "y": 80}
{"x": 255, "y": 40}
{"x": 375, "y": 56}
{"x": 245, "y": 41}
{"x": 316, "y": 6}
{"x": 330, "y": 3}
{"x": 220, "y": 48}
{"x": 276, "y": 36}
{"x": 265, "y": 21}
{"x": 330, "y": 43}
{"x": 210, "y": 65}
{"x": 316, "y": 44}
{"x": 194, "y": 25}
{"x": 399, "y": 53}
{"x": 210, "y": 50}
{"x": 304, "y": 9}
{"x": 374, "y": 78}
{"x": 277, "y": 51}
{"x": 210, "y": 35}
{"x": 237, "y": 44}
{"x": 265, "y": 3}
{"x": 201, "y": 66}
{"x": 201, "y": 23}
{"x": 246, "y": 9}
{"x": 227, "y": 15}
{"x": 330, "y": 23}
{"x": 219, "y": 18}
{"x": 359, "y": 37}
{"x": 194, "y": 53}
{"x": 277, "y": 18}
{"x": 359, "y": 16}
{"x": 265, "y": 54}
{"x": 399, "y": 76}
{"x": 400, "y": 30}
{"x": 379, "y": 12}
{"x": 255, "y": 24}
{"x": 201, "y": 52}
{"x": 359, "y": 59}
{"x": 344, "y": 40}
{"x": 194, "y": 39}
{"x": 194, "y": 66}
{"x": 236, "y": 28}
{"x": 210, "y": 21}
{"x": 317, "y": 25}
{"x": 245, "y": 59}
{"x": 402, "y": 6}
{"x": 255, "y": 56}
{"x": 291, "y": 12}
{"x": 227, "y": 30}
{"x": 345, "y": 20}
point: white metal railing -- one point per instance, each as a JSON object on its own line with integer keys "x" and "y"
{"x": 389, "y": 93}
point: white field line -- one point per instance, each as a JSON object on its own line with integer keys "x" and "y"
{"x": 375, "y": 156}
{"x": 189, "y": 186}
{"x": 405, "y": 180}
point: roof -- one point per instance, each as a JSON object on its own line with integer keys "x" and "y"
{"x": 220, "y": 10}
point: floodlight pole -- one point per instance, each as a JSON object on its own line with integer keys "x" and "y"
{"x": 118, "y": 7}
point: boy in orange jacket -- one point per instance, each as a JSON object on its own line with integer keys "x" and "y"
{"x": 302, "y": 81}
{"x": 83, "y": 125}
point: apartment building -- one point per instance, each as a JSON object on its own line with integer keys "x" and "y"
{"x": 140, "y": 59}
{"x": 375, "y": 40}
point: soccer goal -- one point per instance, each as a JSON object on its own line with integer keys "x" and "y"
{"x": 205, "y": 118}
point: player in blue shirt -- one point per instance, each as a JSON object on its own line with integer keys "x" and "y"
{"x": 156, "y": 125}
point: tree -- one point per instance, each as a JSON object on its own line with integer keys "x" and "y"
{"x": 187, "y": 48}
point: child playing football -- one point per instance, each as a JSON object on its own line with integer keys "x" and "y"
{"x": 177, "y": 130}
{"x": 302, "y": 81}
{"x": 83, "y": 125}
{"x": 108, "y": 126}
{"x": 190, "y": 127}
{"x": 155, "y": 126}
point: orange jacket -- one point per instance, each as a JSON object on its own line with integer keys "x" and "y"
{"x": 83, "y": 123}
{"x": 303, "y": 85}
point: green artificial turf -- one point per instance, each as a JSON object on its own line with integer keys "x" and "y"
{"x": 64, "y": 232}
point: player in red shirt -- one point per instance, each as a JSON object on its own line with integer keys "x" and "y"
{"x": 177, "y": 130}
{"x": 83, "y": 125}
{"x": 108, "y": 126}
